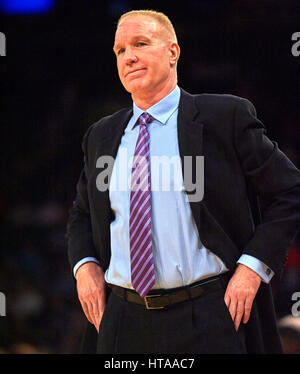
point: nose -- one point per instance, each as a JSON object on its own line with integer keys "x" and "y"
{"x": 130, "y": 56}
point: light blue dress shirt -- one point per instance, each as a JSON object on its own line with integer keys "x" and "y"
{"x": 179, "y": 256}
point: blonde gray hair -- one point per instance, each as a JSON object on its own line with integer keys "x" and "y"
{"x": 162, "y": 19}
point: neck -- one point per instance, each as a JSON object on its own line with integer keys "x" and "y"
{"x": 147, "y": 100}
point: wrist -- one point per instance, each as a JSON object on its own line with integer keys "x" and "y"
{"x": 241, "y": 268}
{"x": 88, "y": 267}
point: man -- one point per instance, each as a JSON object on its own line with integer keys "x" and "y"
{"x": 158, "y": 272}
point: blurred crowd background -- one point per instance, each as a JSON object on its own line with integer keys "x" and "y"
{"x": 58, "y": 77}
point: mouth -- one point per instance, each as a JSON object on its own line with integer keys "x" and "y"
{"x": 134, "y": 71}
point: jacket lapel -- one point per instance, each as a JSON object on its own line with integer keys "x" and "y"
{"x": 190, "y": 139}
{"x": 111, "y": 139}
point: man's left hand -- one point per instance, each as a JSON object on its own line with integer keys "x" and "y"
{"x": 240, "y": 293}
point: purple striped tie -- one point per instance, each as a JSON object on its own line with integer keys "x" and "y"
{"x": 141, "y": 256}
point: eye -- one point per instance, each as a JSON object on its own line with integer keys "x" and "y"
{"x": 121, "y": 50}
{"x": 140, "y": 44}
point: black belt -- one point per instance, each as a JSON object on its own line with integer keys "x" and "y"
{"x": 159, "y": 299}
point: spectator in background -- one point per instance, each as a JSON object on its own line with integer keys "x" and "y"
{"x": 289, "y": 330}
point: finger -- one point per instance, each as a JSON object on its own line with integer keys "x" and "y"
{"x": 94, "y": 312}
{"x": 232, "y": 308}
{"x": 239, "y": 313}
{"x": 227, "y": 300}
{"x": 101, "y": 307}
{"x": 85, "y": 309}
{"x": 248, "y": 307}
{"x": 91, "y": 313}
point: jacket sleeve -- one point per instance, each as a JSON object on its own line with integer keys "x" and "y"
{"x": 275, "y": 180}
{"x": 79, "y": 230}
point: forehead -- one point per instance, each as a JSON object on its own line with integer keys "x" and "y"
{"x": 137, "y": 25}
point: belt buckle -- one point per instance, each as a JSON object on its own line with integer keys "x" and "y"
{"x": 147, "y": 302}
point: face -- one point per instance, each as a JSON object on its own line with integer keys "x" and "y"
{"x": 146, "y": 57}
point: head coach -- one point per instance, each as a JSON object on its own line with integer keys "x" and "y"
{"x": 158, "y": 270}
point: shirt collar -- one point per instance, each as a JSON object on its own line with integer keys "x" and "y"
{"x": 160, "y": 111}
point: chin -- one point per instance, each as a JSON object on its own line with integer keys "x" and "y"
{"x": 135, "y": 86}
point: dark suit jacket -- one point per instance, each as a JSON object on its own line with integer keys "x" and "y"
{"x": 241, "y": 165}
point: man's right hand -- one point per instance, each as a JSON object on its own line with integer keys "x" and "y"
{"x": 91, "y": 291}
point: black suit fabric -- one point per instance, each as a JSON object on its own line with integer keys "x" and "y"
{"x": 241, "y": 166}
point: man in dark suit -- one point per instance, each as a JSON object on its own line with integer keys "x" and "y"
{"x": 167, "y": 271}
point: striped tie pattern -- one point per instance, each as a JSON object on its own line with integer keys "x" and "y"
{"x": 141, "y": 256}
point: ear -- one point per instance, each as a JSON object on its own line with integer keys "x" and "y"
{"x": 174, "y": 53}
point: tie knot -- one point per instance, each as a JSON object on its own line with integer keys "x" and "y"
{"x": 145, "y": 119}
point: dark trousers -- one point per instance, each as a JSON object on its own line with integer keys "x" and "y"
{"x": 198, "y": 326}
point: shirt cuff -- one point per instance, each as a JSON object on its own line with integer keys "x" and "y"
{"x": 258, "y": 266}
{"x": 83, "y": 261}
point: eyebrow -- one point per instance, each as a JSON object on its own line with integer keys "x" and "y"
{"x": 134, "y": 38}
